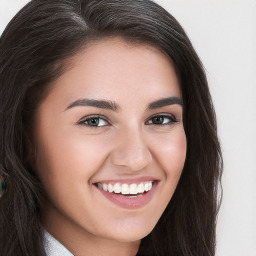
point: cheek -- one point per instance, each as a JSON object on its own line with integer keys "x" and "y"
{"x": 69, "y": 156}
{"x": 171, "y": 154}
{"x": 63, "y": 161}
{"x": 65, "y": 154}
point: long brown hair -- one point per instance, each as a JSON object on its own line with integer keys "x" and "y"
{"x": 33, "y": 50}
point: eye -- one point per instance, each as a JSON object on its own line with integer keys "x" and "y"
{"x": 93, "y": 121}
{"x": 162, "y": 120}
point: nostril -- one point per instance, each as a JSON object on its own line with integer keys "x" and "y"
{"x": 134, "y": 159}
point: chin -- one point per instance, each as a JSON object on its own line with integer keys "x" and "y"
{"x": 131, "y": 235}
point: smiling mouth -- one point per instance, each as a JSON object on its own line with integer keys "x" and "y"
{"x": 127, "y": 190}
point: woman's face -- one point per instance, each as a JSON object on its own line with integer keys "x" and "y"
{"x": 112, "y": 121}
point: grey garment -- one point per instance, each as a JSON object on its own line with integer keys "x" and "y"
{"x": 54, "y": 247}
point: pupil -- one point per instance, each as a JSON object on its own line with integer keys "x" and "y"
{"x": 158, "y": 120}
{"x": 94, "y": 121}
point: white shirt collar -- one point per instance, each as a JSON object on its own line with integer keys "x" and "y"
{"x": 54, "y": 247}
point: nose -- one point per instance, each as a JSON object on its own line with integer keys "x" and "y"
{"x": 132, "y": 151}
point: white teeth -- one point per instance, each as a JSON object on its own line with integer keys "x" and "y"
{"x": 150, "y": 184}
{"x": 117, "y": 188}
{"x": 133, "y": 189}
{"x": 125, "y": 189}
{"x": 105, "y": 187}
{"x": 146, "y": 187}
{"x": 140, "y": 188}
{"x": 110, "y": 188}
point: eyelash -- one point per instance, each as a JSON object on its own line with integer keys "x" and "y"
{"x": 172, "y": 119}
{"x": 84, "y": 121}
{"x": 90, "y": 118}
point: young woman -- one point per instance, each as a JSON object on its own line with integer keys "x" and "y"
{"x": 108, "y": 133}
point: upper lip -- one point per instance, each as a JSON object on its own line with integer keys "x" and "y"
{"x": 127, "y": 181}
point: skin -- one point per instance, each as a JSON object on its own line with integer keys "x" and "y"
{"x": 71, "y": 155}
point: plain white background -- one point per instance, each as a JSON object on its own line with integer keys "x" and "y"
{"x": 224, "y": 35}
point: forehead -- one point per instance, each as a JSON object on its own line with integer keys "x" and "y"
{"x": 114, "y": 68}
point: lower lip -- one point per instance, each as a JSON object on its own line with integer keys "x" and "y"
{"x": 130, "y": 202}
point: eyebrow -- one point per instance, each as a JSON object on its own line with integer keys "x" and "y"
{"x": 165, "y": 102}
{"x": 110, "y": 105}
{"x": 95, "y": 103}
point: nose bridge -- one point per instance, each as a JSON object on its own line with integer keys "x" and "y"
{"x": 132, "y": 150}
